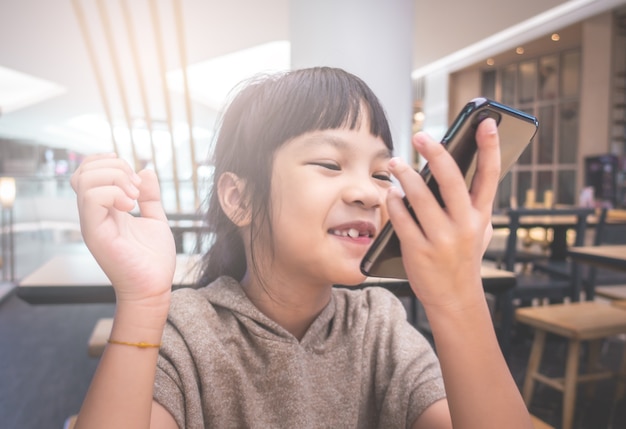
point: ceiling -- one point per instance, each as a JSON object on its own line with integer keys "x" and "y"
{"x": 43, "y": 39}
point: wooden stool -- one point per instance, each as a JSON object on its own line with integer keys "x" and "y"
{"x": 580, "y": 321}
{"x": 99, "y": 337}
{"x": 611, "y": 292}
{"x": 621, "y": 303}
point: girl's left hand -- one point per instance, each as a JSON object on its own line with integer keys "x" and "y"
{"x": 442, "y": 254}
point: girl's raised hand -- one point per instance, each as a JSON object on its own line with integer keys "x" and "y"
{"x": 136, "y": 253}
{"x": 442, "y": 255}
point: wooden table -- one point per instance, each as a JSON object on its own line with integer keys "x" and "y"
{"x": 606, "y": 256}
{"x": 559, "y": 224}
{"x": 603, "y": 256}
{"x": 77, "y": 278}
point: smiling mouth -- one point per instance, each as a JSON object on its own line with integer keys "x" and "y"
{"x": 351, "y": 232}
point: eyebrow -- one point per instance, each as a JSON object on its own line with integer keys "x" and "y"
{"x": 342, "y": 144}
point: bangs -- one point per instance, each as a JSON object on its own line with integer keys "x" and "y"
{"x": 321, "y": 98}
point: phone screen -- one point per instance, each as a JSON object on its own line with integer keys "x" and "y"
{"x": 515, "y": 128}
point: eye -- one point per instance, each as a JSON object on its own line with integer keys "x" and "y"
{"x": 382, "y": 176}
{"x": 327, "y": 165}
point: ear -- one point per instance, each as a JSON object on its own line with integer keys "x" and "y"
{"x": 231, "y": 193}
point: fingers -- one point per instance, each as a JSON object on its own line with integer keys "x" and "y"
{"x": 451, "y": 183}
{"x": 485, "y": 181}
{"x": 150, "y": 196}
{"x": 452, "y": 186}
{"x": 106, "y": 181}
{"x": 449, "y": 179}
{"x": 445, "y": 170}
{"x": 406, "y": 228}
{"x": 422, "y": 201}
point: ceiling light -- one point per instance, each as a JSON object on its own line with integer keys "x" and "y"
{"x": 555, "y": 37}
{"x": 211, "y": 81}
{"x": 19, "y": 90}
{"x": 490, "y": 62}
{"x": 519, "y": 50}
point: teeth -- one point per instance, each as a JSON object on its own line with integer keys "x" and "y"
{"x": 352, "y": 233}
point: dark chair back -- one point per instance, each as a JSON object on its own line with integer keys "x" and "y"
{"x": 532, "y": 284}
{"x": 516, "y": 217}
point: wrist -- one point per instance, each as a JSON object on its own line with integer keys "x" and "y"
{"x": 140, "y": 321}
{"x": 467, "y": 319}
{"x": 158, "y": 303}
{"x": 459, "y": 304}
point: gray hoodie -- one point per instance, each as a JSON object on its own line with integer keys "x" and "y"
{"x": 224, "y": 364}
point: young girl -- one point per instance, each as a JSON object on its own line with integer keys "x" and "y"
{"x": 302, "y": 185}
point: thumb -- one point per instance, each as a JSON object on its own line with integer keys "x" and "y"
{"x": 149, "y": 200}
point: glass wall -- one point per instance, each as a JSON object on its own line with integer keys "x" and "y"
{"x": 549, "y": 88}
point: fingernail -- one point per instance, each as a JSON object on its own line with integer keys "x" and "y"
{"x": 491, "y": 126}
{"x": 420, "y": 138}
{"x": 395, "y": 191}
{"x": 395, "y": 162}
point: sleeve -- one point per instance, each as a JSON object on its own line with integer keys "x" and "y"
{"x": 168, "y": 383}
{"x": 176, "y": 384}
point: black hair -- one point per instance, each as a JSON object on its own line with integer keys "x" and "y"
{"x": 268, "y": 112}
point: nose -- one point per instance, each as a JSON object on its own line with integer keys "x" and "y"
{"x": 364, "y": 192}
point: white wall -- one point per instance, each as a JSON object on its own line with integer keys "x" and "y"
{"x": 595, "y": 88}
{"x": 370, "y": 39}
{"x": 466, "y": 87}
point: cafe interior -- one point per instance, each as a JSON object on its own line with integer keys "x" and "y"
{"x": 148, "y": 81}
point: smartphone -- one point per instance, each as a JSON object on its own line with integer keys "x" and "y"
{"x": 515, "y": 128}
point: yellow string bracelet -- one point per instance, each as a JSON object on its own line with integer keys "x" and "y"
{"x": 141, "y": 345}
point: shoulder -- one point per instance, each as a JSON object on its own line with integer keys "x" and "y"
{"x": 190, "y": 300}
{"x": 193, "y": 310}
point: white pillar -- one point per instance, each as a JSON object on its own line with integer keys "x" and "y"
{"x": 435, "y": 103}
{"x": 369, "y": 38}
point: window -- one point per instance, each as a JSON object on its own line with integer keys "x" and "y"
{"x": 547, "y": 87}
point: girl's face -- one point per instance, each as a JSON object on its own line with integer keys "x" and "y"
{"x": 328, "y": 193}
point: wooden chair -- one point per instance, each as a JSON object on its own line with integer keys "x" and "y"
{"x": 576, "y": 322}
{"x": 591, "y": 276}
{"x": 525, "y": 254}
{"x": 564, "y": 267}
{"x": 532, "y": 285}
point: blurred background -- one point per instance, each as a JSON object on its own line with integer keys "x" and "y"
{"x": 147, "y": 79}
